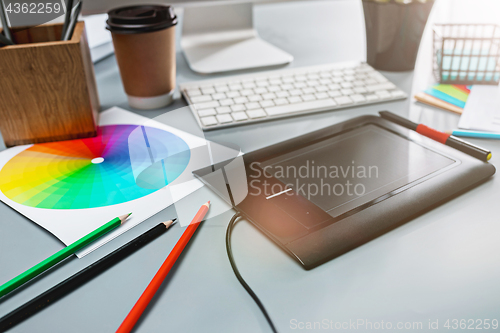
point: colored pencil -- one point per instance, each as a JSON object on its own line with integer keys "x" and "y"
{"x": 78, "y": 279}
{"x": 141, "y": 304}
{"x": 6, "y": 29}
{"x": 436, "y": 102}
{"x": 441, "y": 137}
{"x": 475, "y": 134}
{"x": 74, "y": 18}
{"x": 60, "y": 255}
{"x": 67, "y": 18}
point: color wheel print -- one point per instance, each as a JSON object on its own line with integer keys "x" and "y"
{"x": 87, "y": 173}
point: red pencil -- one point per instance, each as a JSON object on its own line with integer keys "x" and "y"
{"x": 162, "y": 273}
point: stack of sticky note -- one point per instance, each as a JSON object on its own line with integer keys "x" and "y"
{"x": 450, "y": 97}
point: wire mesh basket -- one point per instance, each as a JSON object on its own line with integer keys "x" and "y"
{"x": 466, "y": 53}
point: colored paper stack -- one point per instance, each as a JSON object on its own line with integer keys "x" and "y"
{"x": 449, "y": 97}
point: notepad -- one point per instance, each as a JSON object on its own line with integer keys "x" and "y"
{"x": 482, "y": 111}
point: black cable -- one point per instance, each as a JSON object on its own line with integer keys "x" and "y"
{"x": 229, "y": 231}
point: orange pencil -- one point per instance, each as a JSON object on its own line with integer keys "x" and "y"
{"x": 162, "y": 273}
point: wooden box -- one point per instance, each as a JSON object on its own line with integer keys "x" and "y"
{"x": 47, "y": 87}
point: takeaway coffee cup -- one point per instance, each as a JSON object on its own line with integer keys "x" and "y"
{"x": 144, "y": 42}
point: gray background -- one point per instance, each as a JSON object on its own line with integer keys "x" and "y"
{"x": 442, "y": 265}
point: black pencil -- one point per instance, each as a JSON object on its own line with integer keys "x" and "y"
{"x": 67, "y": 18}
{"x": 5, "y": 26}
{"x": 74, "y": 18}
{"x": 78, "y": 279}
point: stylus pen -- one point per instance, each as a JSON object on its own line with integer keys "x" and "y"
{"x": 78, "y": 279}
{"x": 444, "y": 138}
{"x": 74, "y": 18}
{"x": 67, "y": 18}
{"x": 5, "y": 26}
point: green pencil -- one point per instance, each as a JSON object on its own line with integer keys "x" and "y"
{"x": 61, "y": 255}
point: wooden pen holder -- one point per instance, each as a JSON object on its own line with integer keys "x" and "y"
{"x": 47, "y": 86}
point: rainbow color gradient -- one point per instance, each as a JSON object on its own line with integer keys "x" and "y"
{"x": 88, "y": 173}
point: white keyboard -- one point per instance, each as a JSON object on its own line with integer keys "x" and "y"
{"x": 262, "y": 96}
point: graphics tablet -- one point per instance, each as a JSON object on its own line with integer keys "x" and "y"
{"x": 324, "y": 193}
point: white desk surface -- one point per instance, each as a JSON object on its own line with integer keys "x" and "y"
{"x": 441, "y": 265}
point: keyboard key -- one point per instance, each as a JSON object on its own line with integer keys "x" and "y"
{"x": 383, "y": 94}
{"x": 241, "y": 100}
{"x": 371, "y": 98}
{"x": 358, "y": 83}
{"x": 360, "y": 90}
{"x": 288, "y": 79}
{"x": 273, "y": 88}
{"x": 225, "y": 102}
{"x": 224, "y": 118}
{"x": 335, "y": 93}
{"x": 259, "y": 113}
{"x": 300, "y": 78}
{"x": 337, "y": 79}
{"x": 218, "y": 96}
{"x": 275, "y": 82}
{"x": 246, "y": 92}
{"x": 266, "y": 103}
{"x": 321, "y": 95}
{"x": 239, "y": 116}
{"x": 223, "y": 109}
{"x": 295, "y": 92}
{"x": 349, "y": 78}
{"x": 249, "y": 85}
{"x": 343, "y": 100}
{"x": 325, "y": 74}
{"x": 346, "y": 85}
{"x": 295, "y": 99}
{"x": 237, "y": 107}
{"x": 308, "y": 90}
{"x": 325, "y": 81}
{"x": 308, "y": 97}
{"x": 255, "y": 98}
{"x": 280, "y": 101}
{"x": 347, "y": 92}
{"x": 297, "y": 107}
{"x": 200, "y": 99}
{"x": 232, "y": 94}
{"x": 357, "y": 98}
{"x": 312, "y": 83}
{"x": 286, "y": 86}
{"x": 221, "y": 88}
{"x": 380, "y": 86}
{"x": 208, "y": 121}
{"x": 208, "y": 91}
{"x": 207, "y": 112}
{"x": 260, "y": 90}
{"x": 262, "y": 84}
{"x": 370, "y": 82}
{"x": 313, "y": 76}
{"x": 252, "y": 105}
{"x": 299, "y": 85}
{"x": 193, "y": 92}
{"x": 269, "y": 96}
{"x": 206, "y": 105}
{"x": 282, "y": 94}
{"x": 334, "y": 86}
{"x": 321, "y": 88}
{"x": 397, "y": 93}
{"x": 235, "y": 87}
